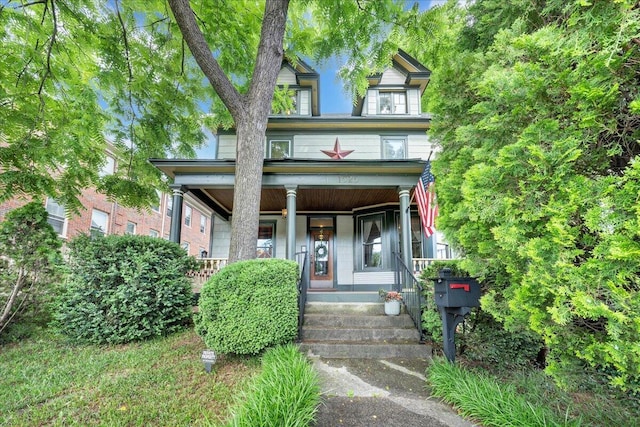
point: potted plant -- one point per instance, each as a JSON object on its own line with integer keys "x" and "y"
{"x": 391, "y": 302}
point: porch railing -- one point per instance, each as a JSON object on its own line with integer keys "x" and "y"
{"x": 208, "y": 267}
{"x": 303, "y": 285}
{"x": 411, "y": 290}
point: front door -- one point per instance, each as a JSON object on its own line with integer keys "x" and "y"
{"x": 321, "y": 259}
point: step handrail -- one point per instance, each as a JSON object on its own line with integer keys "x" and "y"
{"x": 303, "y": 285}
{"x": 412, "y": 291}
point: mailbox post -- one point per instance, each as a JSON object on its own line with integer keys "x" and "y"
{"x": 454, "y": 297}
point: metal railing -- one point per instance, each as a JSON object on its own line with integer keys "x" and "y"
{"x": 303, "y": 285}
{"x": 411, "y": 290}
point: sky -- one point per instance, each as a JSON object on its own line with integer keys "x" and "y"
{"x": 333, "y": 98}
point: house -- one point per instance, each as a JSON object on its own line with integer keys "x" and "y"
{"x": 338, "y": 186}
{"x": 104, "y": 216}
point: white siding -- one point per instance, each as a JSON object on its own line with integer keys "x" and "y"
{"x": 286, "y": 77}
{"x": 344, "y": 249}
{"x": 419, "y": 147}
{"x": 371, "y": 103}
{"x": 377, "y": 277}
{"x": 304, "y": 109}
{"x": 226, "y": 147}
{"x": 221, "y": 238}
{"x": 364, "y": 146}
{"x": 392, "y": 77}
{"x": 413, "y": 99}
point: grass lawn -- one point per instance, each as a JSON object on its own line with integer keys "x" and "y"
{"x": 46, "y": 381}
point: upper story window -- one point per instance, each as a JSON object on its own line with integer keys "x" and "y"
{"x": 56, "y": 216}
{"x": 99, "y": 221}
{"x": 285, "y": 102}
{"x": 188, "y": 212}
{"x": 156, "y": 207}
{"x": 169, "y": 206}
{"x": 392, "y": 102}
{"x": 109, "y": 167}
{"x": 154, "y": 233}
{"x": 131, "y": 228}
{"x": 203, "y": 223}
{"x": 279, "y": 148}
{"x": 394, "y": 147}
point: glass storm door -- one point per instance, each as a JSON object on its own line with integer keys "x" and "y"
{"x": 321, "y": 259}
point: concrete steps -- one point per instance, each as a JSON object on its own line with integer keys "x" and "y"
{"x": 359, "y": 330}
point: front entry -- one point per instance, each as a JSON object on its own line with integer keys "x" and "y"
{"x": 321, "y": 259}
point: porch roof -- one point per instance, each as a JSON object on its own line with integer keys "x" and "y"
{"x": 331, "y": 186}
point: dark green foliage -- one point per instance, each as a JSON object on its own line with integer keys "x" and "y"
{"x": 535, "y": 106}
{"x": 30, "y": 267}
{"x": 249, "y": 306}
{"x": 125, "y": 288}
{"x": 286, "y": 393}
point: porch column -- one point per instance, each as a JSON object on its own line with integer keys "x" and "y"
{"x": 405, "y": 223}
{"x": 291, "y": 221}
{"x": 176, "y": 215}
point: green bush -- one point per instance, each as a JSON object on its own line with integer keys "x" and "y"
{"x": 249, "y": 306}
{"x": 125, "y": 288}
{"x": 483, "y": 339}
{"x": 286, "y": 393}
{"x": 30, "y": 269}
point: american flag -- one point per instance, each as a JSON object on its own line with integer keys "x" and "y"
{"x": 425, "y": 195}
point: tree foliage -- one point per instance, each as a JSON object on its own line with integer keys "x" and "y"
{"x": 29, "y": 263}
{"x": 536, "y": 110}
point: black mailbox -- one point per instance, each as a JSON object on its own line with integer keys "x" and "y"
{"x": 457, "y": 292}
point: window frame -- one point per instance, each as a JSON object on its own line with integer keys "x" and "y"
{"x": 270, "y": 249}
{"x": 384, "y": 139}
{"x": 360, "y": 243}
{"x": 188, "y": 215}
{"x": 97, "y": 230}
{"x": 133, "y": 232}
{"x": 278, "y": 139}
{"x": 54, "y": 218}
{"x": 203, "y": 223}
{"x": 154, "y": 233}
{"x": 392, "y": 101}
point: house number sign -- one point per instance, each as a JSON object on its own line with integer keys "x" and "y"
{"x": 347, "y": 179}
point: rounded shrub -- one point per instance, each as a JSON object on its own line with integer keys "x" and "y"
{"x": 125, "y": 288}
{"x": 249, "y": 306}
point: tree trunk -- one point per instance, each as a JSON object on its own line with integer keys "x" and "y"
{"x": 6, "y": 313}
{"x": 250, "y": 113}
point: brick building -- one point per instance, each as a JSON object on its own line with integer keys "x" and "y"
{"x": 103, "y": 216}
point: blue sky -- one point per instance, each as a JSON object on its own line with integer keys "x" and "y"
{"x": 333, "y": 98}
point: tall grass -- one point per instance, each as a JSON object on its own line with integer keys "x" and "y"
{"x": 483, "y": 398}
{"x": 285, "y": 394}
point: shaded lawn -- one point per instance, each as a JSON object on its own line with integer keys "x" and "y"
{"x": 161, "y": 382}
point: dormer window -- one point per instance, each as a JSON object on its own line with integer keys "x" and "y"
{"x": 288, "y": 105}
{"x": 392, "y": 102}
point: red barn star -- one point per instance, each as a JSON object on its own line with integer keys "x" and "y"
{"x": 337, "y": 153}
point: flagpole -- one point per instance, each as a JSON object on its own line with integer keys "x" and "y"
{"x": 414, "y": 193}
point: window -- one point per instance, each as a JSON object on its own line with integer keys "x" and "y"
{"x": 289, "y": 99}
{"x": 394, "y": 147}
{"x": 392, "y": 102}
{"x": 57, "y": 216}
{"x": 371, "y": 241}
{"x": 131, "y": 228}
{"x": 169, "y": 206}
{"x": 154, "y": 233}
{"x": 156, "y": 208}
{"x": 266, "y": 231}
{"x": 109, "y": 167}
{"x": 279, "y": 148}
{"x": 203, "y": 223}
{"x": 187, "y": 215}
{"x": 185, "y": 246}
{"x": 99, "y": 221}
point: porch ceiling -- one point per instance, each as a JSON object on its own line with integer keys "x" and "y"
{"x": 310, "y": 199}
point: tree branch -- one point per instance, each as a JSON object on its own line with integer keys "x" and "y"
{"x": 201, "y": 51}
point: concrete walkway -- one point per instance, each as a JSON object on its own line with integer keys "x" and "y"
{"x": 379, "y": 392}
